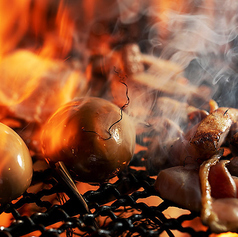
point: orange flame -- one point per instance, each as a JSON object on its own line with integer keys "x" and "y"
{"x": 228, "y": 234}
{"x": 20, "y": 19}
{"x": 14, "y": 23}
{"x": 36, "y": 77}
{"x": 63, "y": 34}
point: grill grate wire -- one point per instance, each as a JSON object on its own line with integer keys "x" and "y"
{"x": 120, "y": 204}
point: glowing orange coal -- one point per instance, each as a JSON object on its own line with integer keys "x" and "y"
{"x": 229, "y": 234}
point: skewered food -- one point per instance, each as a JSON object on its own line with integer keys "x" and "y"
{"x": 219, "y": 198}
{"x": 93, "y": 137}
{"x": 180, "y": 185}
{"x": 202, "y": 180}
{"x": 204, "y": 139}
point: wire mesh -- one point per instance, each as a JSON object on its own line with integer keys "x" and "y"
{"x": 116, "y": 209}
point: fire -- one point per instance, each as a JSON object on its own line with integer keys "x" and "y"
{"x": 23, "y": 78}
{"x": 14, "y": 23}
{"x": 229, "y": 234}
{"x": 28, "y": 80}
{"x": 59, "y": 42}
{"x": 37, "y": 76}
{"x": 38, "y": 21}
{"x": 38, "y": 37}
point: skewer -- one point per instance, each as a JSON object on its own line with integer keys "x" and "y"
{"x": 64, "y": 177}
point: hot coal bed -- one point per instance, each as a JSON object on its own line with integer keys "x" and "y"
{"x": 167, "y": 65}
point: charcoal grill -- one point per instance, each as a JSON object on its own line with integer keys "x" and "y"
{"x": 115, "y": 209}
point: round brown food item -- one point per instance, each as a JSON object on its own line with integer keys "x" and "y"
{"x": 93, "y": 138}
{"x": 15, "y": 165}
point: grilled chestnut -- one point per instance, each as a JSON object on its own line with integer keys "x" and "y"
{"x": 92, "y": 136}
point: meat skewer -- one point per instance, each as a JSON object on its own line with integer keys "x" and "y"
{"x": 220, "y": 214}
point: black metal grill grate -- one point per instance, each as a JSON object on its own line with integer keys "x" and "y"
{"x": 116, "y": 209}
